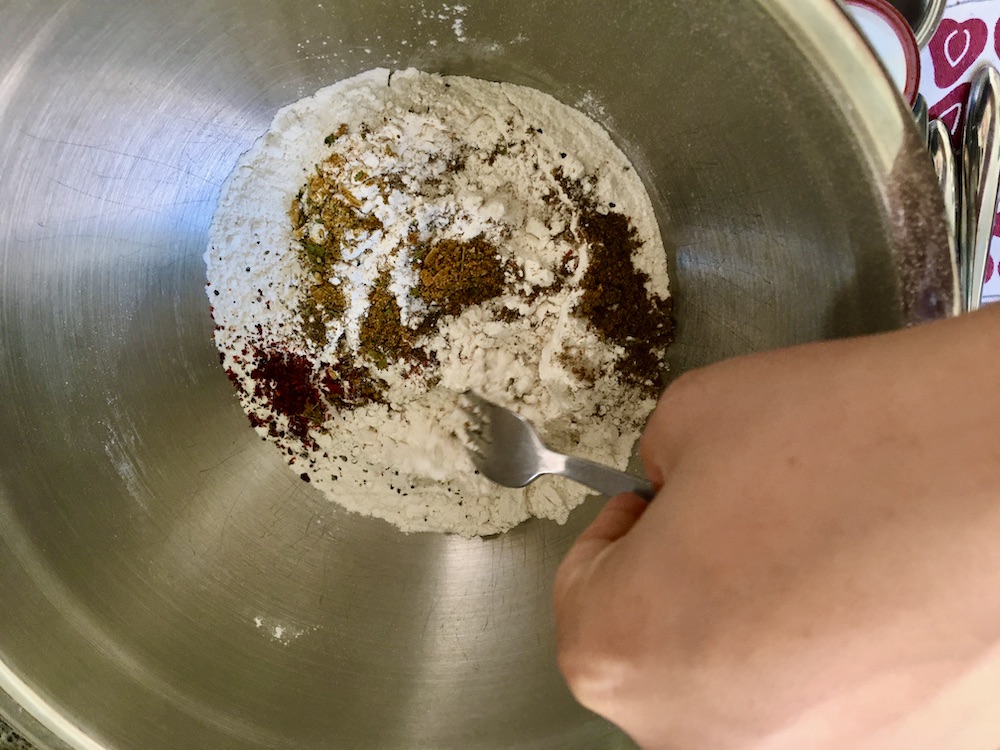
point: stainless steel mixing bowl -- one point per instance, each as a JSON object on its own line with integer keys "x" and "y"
{"x": 166, "y": 581}
{"x": 924, "y": 16}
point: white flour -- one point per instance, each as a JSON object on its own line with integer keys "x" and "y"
{"x": 434, "y": 159}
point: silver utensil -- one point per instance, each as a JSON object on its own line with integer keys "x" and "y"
{"x": 946, "y": 167}
{"x": 921, "y": 115}
{"x": 507, "y": 450}
{"x": 980, "y": 183}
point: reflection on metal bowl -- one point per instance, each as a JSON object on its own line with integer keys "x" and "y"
{"x": 167, "y": 582}
{"x": 924, "y": 16}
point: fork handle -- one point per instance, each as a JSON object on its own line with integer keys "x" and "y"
{"x": 604, "y": 479}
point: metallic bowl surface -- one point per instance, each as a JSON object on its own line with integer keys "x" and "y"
{"x": 924, "y": 16}
{"x": 144, "y": 527}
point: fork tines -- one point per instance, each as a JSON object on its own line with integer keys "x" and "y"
{"x": 477, "y": 438}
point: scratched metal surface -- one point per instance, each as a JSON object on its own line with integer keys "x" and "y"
{"x": 10, "y": 739}
{"x": 167, "y": 582}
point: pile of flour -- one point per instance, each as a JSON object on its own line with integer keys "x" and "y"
{"x": 436, "y": 158}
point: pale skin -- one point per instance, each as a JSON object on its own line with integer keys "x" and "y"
{"x": 821, "y": 565}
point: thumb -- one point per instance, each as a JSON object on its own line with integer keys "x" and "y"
{"x": 580, "y": 599}
{"x": 614, "y": 521}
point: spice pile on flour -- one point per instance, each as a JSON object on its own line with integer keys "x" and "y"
{"x": 399, "y": 238}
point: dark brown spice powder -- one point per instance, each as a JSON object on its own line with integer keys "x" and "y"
{"x": 615, "y": 299}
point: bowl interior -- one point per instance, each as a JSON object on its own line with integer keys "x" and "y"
{"x": 167, "y": 581}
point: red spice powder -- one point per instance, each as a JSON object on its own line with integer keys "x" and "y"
{"x": 285, "y": 381}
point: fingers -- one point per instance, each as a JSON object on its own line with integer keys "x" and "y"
{"x": 583, "y": 595}
{"x": 650, "y": 445}
{"x": 615, "y": 520}
{"x": 677, "y": 425}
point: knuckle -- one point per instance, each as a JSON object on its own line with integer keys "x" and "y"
{"x": 670, "y": 414}
{"x": 595, "y": 648}
{"x": 686, "y": 387}
{"x": 595, "y": 672}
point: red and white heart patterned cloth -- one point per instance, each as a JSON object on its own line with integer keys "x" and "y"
{"x": 969, "y": 37}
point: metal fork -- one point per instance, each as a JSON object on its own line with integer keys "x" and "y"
{"x": 507, "y": 450}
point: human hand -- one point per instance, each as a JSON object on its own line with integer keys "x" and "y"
{"x": 821, "y": 565}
